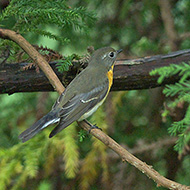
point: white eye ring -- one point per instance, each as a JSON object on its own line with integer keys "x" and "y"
{"x": 111, "y": 54}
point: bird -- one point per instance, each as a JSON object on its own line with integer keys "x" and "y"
{"x": 82, "y": 97}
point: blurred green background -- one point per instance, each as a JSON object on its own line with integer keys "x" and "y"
{"x": 134, "y": 119}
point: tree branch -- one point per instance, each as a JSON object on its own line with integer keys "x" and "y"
{"x": 33, "y": 53}
{"x": 124, "y": 154}
{"x": 142, "y": 166}
{"x": 128, "y": 74}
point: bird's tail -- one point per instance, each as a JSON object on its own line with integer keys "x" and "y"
{"x": 48, "y": 119}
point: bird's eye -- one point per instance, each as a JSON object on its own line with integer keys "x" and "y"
{"x": 111, "y": 54}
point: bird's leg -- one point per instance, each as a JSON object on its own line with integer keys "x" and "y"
{"x": 91, "y": 126}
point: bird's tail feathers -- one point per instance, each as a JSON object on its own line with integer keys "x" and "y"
{"x": 45, "y": 121}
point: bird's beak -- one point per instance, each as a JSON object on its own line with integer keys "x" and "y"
{"x": 119, "y": 51}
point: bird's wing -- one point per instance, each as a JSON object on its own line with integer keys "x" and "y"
{"x": 79, "y": 105}
{"x": 59, "y": 100}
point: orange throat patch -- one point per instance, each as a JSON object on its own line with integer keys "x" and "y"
{"x": 110, "y": 77}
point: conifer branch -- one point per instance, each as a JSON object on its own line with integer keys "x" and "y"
{"x": 124, "y": 154}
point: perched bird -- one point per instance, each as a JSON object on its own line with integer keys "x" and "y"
{"x": 86, "y": 92}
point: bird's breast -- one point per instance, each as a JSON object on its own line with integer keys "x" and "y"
{"x": 110, "y": 79}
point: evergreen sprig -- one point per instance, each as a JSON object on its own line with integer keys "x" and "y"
{"x": 34, "y": 16}
{"x": 181, "y": 91}
{"x": 65, "y": 63}
{"x": 71, "y": 153}
{"x": 182, "y": 70}
{"x": 178, "y": 88}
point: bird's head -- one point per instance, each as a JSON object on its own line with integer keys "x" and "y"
{"x": 104, "y": 57}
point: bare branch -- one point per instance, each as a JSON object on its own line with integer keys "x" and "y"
{"x": 128, "y": 157}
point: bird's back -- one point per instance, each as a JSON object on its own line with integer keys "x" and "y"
{"x": 84, "y": 82}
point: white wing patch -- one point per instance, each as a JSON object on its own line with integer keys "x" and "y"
{"x": 86, "y": 101}
{"x": 50, "y": 122}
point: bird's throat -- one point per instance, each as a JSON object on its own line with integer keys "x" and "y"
{"x": 110, "y": 77}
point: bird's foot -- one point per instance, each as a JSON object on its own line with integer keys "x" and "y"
{"x": 91, "y": 126}
{"x": 94, "y": 127}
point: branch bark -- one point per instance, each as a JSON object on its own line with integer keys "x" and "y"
{"x": 124, "y": 154}
{"x": 33, "y": 53}
{"x": 128, "y": 74}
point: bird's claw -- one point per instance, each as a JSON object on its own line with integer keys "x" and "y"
{"x": 93, "y": 127}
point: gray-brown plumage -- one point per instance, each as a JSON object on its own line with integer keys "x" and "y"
{"x": 81, "y": 98}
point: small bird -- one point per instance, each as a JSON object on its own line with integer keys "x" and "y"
{"x": 86, "y": 92}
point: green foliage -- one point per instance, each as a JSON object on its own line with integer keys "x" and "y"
{"x": 34, "y": 16}
{"x": 143, "y": 45}
{"x": 183, "y": 70}
{"x": 179, "y": 88}
{"x": 181, "y": 92}
{"x": 71, "y": 154}
{"x": 22, "y": 104}
{"x": 82, "y": 135}
{"x": 19, "y": 162}
{"x": 65, "y": 63}
{"x": 45, "y": 185}
{"x": 36, "y": 19}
